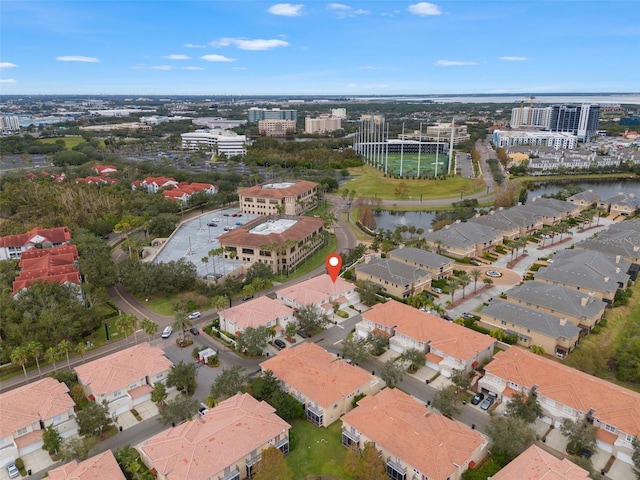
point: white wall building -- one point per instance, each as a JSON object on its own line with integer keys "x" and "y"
{"x": 557, "y": 140}
{"x": 225, "y": 141}
{"x": 322, "y": 124}
{"x": 535, "y": 117}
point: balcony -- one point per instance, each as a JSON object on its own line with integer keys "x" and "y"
{"x": 395, "y": 471}
{"x": 235, "y": 475}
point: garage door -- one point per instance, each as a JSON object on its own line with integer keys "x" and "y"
{"x": 31, "y": 448}
{"x": 623, "y": 457}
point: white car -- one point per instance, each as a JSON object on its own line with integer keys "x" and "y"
{"x": 215, "y": 220}
{"x": 437, "y": 290}
{"x": 194, "y": 315}
{"x": 12, "y": 470}
{"x": 166, "y": 333}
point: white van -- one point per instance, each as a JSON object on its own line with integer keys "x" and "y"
{"x": 166, "y": 333}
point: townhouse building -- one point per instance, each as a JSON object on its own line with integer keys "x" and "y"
{"x": 320, "y": 291}
{"x": 464, "y": 239}
{"x": 12, "y": 246}
{"x": 394, "y": 277}
{"x": 259, "y": 312}
{"x": 415, "y": 442}
{"x": 564, "y": 392}
{"x": 438, "y": 266}
{"x": 538, "y": 464}
{"x": 325, "y": 384}
{"x": 103, "y": 466}
{"x": 225, "y": 443}
{"x": 125, "y": 378}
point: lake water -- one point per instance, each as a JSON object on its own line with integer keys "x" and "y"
{"x": 391, "y": 220}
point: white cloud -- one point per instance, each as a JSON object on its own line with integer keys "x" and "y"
{"x": 286, "y": 9}
{"x": 192, "y": 68}
{"x": 7, "y": 65}
{"x": 238, "y": 68}
{"x": 161, "y": 67}
{"x": 7, "y": 80}
{"x": 217, "y": 58}
{"x": 176, "y": 56}
{"x": 343, "y": 11}
{"x": 453, "y": 63}
{"x": 424, "y": 9}
{"x": 77, "y": 58}
{"x": 245, "y": 44}
{"x": 352, "y": 85}
{"x": 367, "y": 67}
{"x": 193, "y": 45}
{"x": 514, "y": 59}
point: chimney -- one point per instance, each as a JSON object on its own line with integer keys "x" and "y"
{"x": 606, "y": 279}
{"x": 618, "y": 271}
{"x": 563, "y": 321}
{"x": 583, "y": 301}
{"x": 618, "y": 258}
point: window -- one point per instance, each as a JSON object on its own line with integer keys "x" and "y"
{"x": 22, "y": 431}
{"x": 568, "y": 410}
{"x": 610, "y": 428}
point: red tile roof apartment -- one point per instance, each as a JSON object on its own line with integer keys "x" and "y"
{"x": 320, "y": 291}
{"x": 415, "y": 442}
{"x": 260, "y": 312}
{"x": 57, "y": 264}
{"x": 536, "y": 464}
{"x": 322, "y": 382}
{"x": 99, "y": 467}
{"x": 565, "y": 392}
{"x": 12, "y": 246}
{"x": 224, "y": 443}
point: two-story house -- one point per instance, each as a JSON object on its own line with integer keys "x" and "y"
{"x": 224, "y": 444}
{"x": 259, "y": 312}
{"x": 26, "y": 411}
{"x": 414, "y": 442}
{"x": 397, "y": 278}
{"x": 320, "y": 291}
{"x": 125, "y": 378}
{"x": 438, "y": 266}
{"x": 323, "y": 383}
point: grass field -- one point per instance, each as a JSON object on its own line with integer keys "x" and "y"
{"x": 318, "y": 452}
{"x": 70, "y": 142}
{"x": 369, "y": 182}
{"x": 409, "y": 163}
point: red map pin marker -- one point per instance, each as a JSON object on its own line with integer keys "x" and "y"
{"x": 334, "y": 264}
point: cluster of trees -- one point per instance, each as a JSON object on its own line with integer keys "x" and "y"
{"x": 267, "y": 387}
{"x": 167, "y": 278}
{"x": 28, "y": 144}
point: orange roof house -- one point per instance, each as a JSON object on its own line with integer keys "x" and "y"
{"x": 320, "y": 291}
{"x": 290, "y": 198}
{"x": 26, "y": 411}
{"x": 260, "y": 312}
{"x": 125, "y": 378}
{"x": 103, "y": 466}
{"x": 537, "y": 464}
{"x": 228, "y": 439}
{"x": 452, "y": 346}
{"x": 104, "y": 169}
{"x": 324, "y": 383}
{"x": 413, "y": 440}
{"x": 565, "y": 392}
{"x": 57, "y": 264}
{"x": 12, "y": 246}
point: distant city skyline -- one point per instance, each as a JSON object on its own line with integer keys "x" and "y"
{"x": 317, "y": 47}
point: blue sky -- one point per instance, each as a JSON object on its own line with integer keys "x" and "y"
{"x": 239, "y": 47}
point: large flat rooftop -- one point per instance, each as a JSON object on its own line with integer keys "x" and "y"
{"x": 273, "y": 226}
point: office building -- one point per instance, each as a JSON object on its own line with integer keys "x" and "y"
{"x": 277, "y": 128}
{"x": 255, "y": 114}
{"x": 224, "y": 141}
{"x": 557, "y": 140}
{"x": 580, "y": 120}
{"x": 322, "y": 124}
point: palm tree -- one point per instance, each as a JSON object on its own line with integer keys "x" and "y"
{"x": 126, "y": 322}
{"x": 439, "y": 245}
{"x": 464, "y": 280}
{"x": 205, "y": 260}
{"x": 20, "y": 356}
{"x": 476, "y": 273}
{"x": 65, "y": 346}
{"x": 453, "y": 285}
{"x": 218, "y": 302}
{"x": 35, "y": 350}
{"x": 181, "y": 322}
{"x": 51, "y": 356}
{"x": 80, "y": 349}
{"x": 149, "y": 327}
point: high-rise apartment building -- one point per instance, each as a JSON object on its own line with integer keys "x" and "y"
{"x": 580, "y": 120}
{"x": 530, "y": 117}
{"x": 322, "y": 124}
{"x": 276, "y": 128}
{"x": 9, "y": 123}
{"x": 255, "y": 114}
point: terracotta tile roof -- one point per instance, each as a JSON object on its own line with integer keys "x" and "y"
{"x": 433, "y": 358}
{"x": 316, "y": 373}
{"x": 37, "y": 235}
{"x": 256, "y": 313}
{"x": 431, "y": 443}
{"x": 612, "y": 404}
{"x": 44, "y": 252}
{"x": 40, "y": 400}
{"x": 199, "y": 449}
{"x": 55, "y": 264}
{"x": 454, "y": 340}
{"x": 241, "y": 236}
{"x": 26, "y": 279}
{"x": 536, "y": 464}
{"x": 104, "y": 169}
{"x": 99, "y": 467}
{"x": 120, "y": 369}
{"x": 140, "y": 391}
{"x": 298, "y": 188}
{"x": 316, "y": 290}
{"x": 31, "y": 437}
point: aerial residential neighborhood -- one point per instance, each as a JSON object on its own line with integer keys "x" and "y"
{"x": 298, "y": 242}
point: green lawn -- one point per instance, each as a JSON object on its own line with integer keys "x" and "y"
{"x": 70, "y": 142}
{"x": 410, "y": 164}
{"x": 317, "y": 452}
{"x": 369, "y": 182}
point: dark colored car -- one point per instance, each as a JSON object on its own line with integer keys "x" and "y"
{"x": 447, "y": 318}
{"x": 247, "y": 297}
{"x": 303, "y": 334}
{"x": 211, "y": 224}
{"x": 279, "y": 343}
{"x": 477, "y": 398}
{"x": 194, "y": 331}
